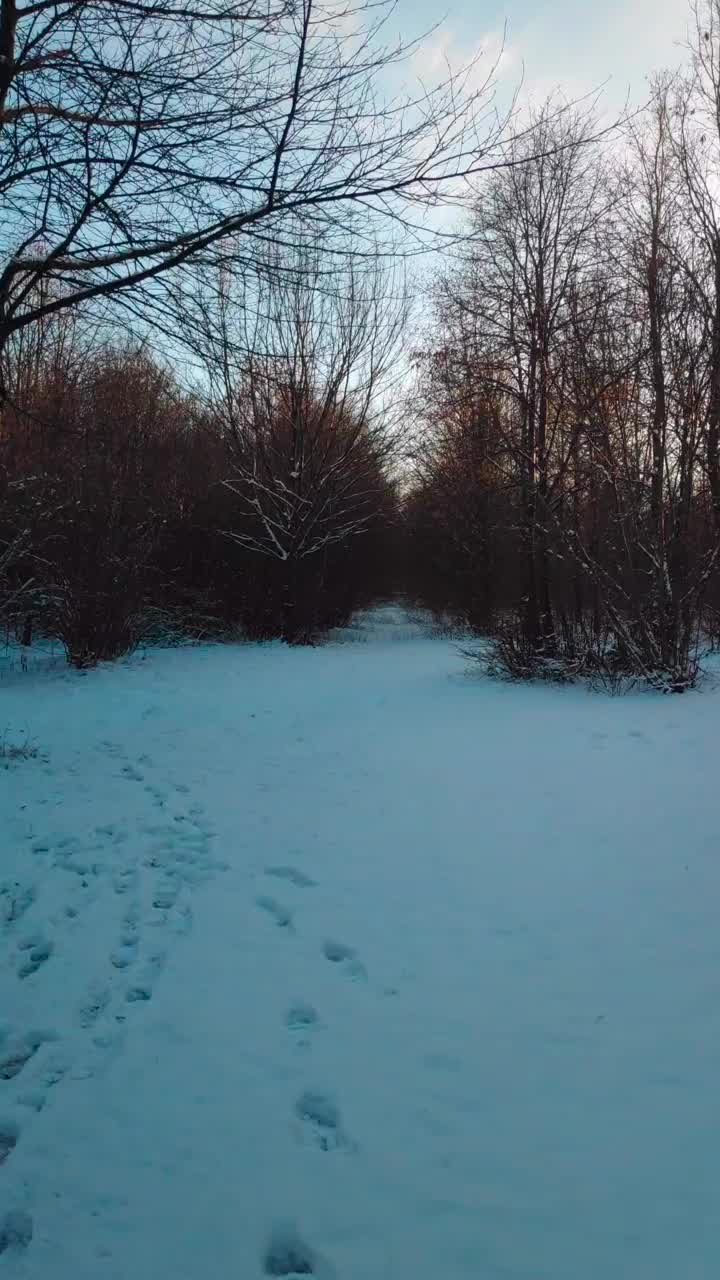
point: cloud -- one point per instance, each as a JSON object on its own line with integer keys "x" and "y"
{"x": 574, "y": 46}
{"x": 445, "y": 52}
{"x": 615, "y": 46}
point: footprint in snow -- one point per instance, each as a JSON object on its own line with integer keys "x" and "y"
{"x": 34, "y": 1100}
{"x": 95, "y": 1003}
{"x": 158, "y": 794}
{"x": 14, "y": 1059}
{"x": 125, "y": 954}
{"x": 142, "y": 990}
{"x": 16, "y": 1053}
{"x": 15, "y": 900}
{"x": 54, "y": 1070}
{"x": 39, "y": 953}
{"x": 339, "y": 953}
{"x": 181, "y": 922}
{"x": 113, "y": 831}
{"x": 124, "y": 880}
{"x": 320, "y": 1118}
{"x": 131, "y": 920}
{"x": 288, "y": 1255}
{"x": 16, "y": 1231}
{"x": 29, "y": 941}
{"x": 302, "y": 1020}
{"x": 165, "y": 895}
{"x": 298, "y": 878}
{"x": 301, "y": 1016}
{"x": 281, "y": 915}
{"x": 68, "y": 845}
{"x": 9, "y": 1134}
{"x": 132, "y": 774}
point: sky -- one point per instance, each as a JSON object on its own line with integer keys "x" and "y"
{"x": 578, "y": 45}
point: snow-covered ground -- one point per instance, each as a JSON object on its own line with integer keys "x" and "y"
{"x": 343, "y": 962}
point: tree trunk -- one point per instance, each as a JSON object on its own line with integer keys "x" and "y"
{"x": 713, "y": 425}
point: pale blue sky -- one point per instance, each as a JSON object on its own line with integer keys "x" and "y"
{"x": 577, "y": 44}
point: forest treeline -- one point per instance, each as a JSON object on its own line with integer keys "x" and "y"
{"x": 136, "y": 510}
{"x": 256, "y": 426}
{"x": 566, "y": 491}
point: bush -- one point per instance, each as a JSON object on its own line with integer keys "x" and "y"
{"x": 12, "y": 751}
{"x": 616, "y": 659}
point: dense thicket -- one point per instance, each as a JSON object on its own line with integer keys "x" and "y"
{"x": 120, "y": 517}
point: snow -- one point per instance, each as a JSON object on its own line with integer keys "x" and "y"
{"x": 347, "y": 962}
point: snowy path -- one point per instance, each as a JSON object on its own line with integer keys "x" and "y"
{"x": 338, "y": 962}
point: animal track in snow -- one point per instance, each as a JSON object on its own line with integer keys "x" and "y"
{"x": 298, "y": 878}
{"x": 320, "y": 1117}
{"x": 341, "y": 954}
{"x": 281, "y": 915}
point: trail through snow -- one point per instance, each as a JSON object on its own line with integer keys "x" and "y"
{"x": 342, "y": 962}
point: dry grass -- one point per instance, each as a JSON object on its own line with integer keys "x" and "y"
{"x": 13, "y": 751}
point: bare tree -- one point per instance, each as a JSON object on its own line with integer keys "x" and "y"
{"x": 92, "y": 460}
{"x": 665, "y": 322}
{"x": 139, "y": 136}
{"x": 577, "y": 350}
{"x": 301, "y": 364}
{"x": 459, "y": 507}
{"x": 509, "y": 306}
{"x": 31, "y": 359}
{"x": 695, "y": 133}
